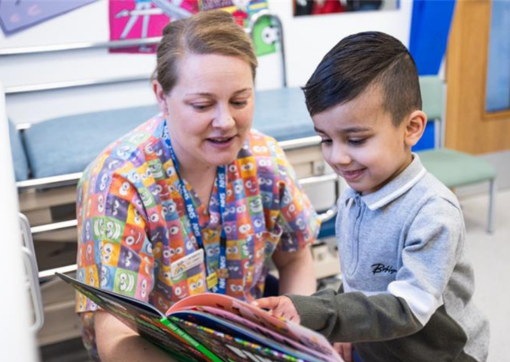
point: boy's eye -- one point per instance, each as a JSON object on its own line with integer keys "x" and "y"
{"x": 326, "y": 142}
{"x": 357, "y": 141}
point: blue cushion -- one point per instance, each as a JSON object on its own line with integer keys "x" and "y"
{"x": 282, "y": 113}
{"x": 68, "y": 144}
{"x": 18, "y": 154}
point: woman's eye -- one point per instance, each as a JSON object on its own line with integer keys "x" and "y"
{"x": 200, "y": 106}
{"x": 325, "y": 141}
{"x": 239, "y": 104}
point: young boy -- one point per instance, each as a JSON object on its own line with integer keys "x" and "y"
{"x": 407, "y": 286}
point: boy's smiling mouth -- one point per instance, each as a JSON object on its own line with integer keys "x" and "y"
{"x": 351, "y": 175}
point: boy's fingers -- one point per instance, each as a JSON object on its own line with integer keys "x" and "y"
{"x": 281, "y": 307}
{"x": 347, "y": 352}
{"x": 267, "y": 303}
{"x": 337, "y": 347}
{"x": 344, "y": 350}
{"x": 295, "y": 318}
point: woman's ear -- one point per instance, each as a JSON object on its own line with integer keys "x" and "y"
{"x": 415, "y": 126}
{"x": 160, "y": 97}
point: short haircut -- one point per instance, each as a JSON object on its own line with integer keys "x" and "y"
{"x": 208, "y": 32}
{"x": 362, "y": 60}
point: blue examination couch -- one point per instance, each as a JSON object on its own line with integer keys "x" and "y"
{"x": 66, "y": 145}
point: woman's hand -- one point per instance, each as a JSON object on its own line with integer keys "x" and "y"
{"x": 281, "y": 307}
{"x": 117, "y": 342}
{"x": 344, "y": 350}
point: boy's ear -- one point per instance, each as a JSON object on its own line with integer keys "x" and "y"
{"x": 160, "y": 97}
{"x": 415, "y": 126}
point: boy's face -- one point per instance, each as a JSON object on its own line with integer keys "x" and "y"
{"x": 360, "y": 142}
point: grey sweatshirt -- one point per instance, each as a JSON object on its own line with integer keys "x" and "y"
{"x": 407, "y": 286}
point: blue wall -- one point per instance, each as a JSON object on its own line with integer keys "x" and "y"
{"x": 430, "y": 26}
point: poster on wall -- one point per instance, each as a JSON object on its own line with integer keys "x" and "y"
{"x": 241, "y": 10}
{"x": 141, "y": 19}
{"x": 264, "y": 34}
{"x": 17, "y": 15}
{"x": 322, "y": 7}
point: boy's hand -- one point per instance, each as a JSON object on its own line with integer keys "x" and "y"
{"x": 344, "y": 350}
{"x": 281, "y": 307}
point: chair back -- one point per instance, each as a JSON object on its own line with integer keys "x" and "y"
{"x": 433, "y": 91}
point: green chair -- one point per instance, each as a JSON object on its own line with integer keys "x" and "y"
{"x": 453, "y": 168}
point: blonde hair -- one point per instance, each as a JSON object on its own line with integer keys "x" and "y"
{"x": 208, "y": 32}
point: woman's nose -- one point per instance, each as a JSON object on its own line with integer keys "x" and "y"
{"x": 224, "y": 118}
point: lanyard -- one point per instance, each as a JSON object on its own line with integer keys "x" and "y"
{"x": 221, "y": 183}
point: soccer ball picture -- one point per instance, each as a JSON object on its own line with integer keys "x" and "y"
{"x": 269, "y": 35}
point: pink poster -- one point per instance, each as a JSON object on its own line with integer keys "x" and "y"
{"x": 140, "y": 19}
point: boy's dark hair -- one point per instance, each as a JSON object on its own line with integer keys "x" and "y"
{"x": 361, "y": 60}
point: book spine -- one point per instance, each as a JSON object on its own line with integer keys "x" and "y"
{"x": 211, "y": 356}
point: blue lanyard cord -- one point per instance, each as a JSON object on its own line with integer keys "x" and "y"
{"x": 221, "y": 183}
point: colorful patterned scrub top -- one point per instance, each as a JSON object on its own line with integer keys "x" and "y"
{"x": 132, "y": 222}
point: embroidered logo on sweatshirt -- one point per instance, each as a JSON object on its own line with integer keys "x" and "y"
{"x": 381, "y": 268}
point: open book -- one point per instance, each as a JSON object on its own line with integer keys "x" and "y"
{"x": 214, "y": 327}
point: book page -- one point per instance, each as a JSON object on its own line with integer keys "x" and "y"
{"x": 147, "y": 321}
{"x": 232, "y": 348}
{"x": 264, "y": 331}
{"x": 211, "y": 322}
{"x": 291, "y": 330}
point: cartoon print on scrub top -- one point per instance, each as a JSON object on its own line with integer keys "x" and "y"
{"x": 134, "y": 220}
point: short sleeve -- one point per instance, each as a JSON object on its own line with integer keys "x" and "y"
{"x": 114, "y": 250}
{"x": 297, "y": 218}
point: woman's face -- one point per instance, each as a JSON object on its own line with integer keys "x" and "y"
{"x": 209, "y": 111}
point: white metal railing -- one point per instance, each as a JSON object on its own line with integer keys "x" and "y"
{"x": 30, "y": 88}
{"x": 41, "y": 49}
{"x": 52, "y": 181}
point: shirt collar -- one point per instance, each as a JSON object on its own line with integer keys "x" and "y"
{"x": 395, "y": 188}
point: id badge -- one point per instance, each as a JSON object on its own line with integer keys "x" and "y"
{"x": 190, "y": 271}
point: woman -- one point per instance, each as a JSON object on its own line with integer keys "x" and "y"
{"x": 194, "y": 182}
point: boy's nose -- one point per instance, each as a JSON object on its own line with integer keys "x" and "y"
{"x": 343, "y": 159}
{"x": 339, "y": 156}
